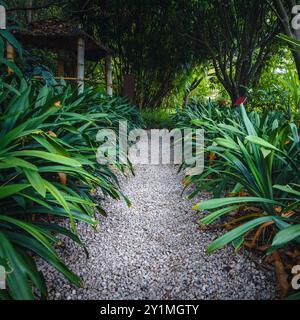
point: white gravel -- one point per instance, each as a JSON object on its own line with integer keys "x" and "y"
{"x": 155, "y": 250}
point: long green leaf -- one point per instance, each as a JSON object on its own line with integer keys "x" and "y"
{"x": 237, "y": 233}
{"x": 217, "y": 203}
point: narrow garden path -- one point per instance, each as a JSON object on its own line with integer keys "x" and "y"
{"x": 155, "y": 250}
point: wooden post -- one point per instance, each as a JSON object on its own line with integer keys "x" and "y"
{"x": 80, "y": 64}
{"x": 108, "y": 75}
{"x": 29, "y": 12}
{"x": 61, "y": 63}
{"x": 2, "y": 17}
{"x": 10, "y": 52}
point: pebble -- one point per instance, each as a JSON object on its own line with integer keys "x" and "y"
{"x": 155, "y": 250}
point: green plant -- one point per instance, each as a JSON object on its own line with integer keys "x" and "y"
{"x": 292, "y": 231}
{"x": 292, "y": 82}
{"x": 253, "y": 160}
{"x": 48, "y": 169}
{"x": 274, "y": 97}
{"x": 30, "y": 161}
{"x": 252, "y": 152}
{"x": 208, "y": 117}
{"x": 157, "y": 118}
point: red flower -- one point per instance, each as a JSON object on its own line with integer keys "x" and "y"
{"x": 241, "y": 100}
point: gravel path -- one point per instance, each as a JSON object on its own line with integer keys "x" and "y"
{"x": 155, "y": 250}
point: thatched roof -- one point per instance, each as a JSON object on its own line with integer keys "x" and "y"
{"x": 56, "y": 34}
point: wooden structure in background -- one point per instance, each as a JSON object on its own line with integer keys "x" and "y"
{"x": 63, "y": 38}
{"x": 29, "y": 12}
{"x": 10, "y": 53}
{"x": 2, "y": 18}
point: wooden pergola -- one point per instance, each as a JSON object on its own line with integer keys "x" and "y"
{"x": 63, "y": 37}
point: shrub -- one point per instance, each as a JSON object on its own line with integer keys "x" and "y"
{"x": 157, "y": 118}
{"x": 48, "y": 169}
{"x": 255, "y": 158}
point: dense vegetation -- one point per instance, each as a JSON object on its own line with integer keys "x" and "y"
{"x": 230, "y": 67}
{"x": 252, "y": 172}
{"x": 48, "y": 170}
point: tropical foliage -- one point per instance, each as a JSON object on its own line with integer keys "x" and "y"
{"x": 49, "y": 171}
{"x": 252, "y": 166}
{"x": 179, "y": 53}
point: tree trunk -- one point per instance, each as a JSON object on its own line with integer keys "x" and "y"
{"x": 234, "y": 95}
{"x": 296, "y": 56}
